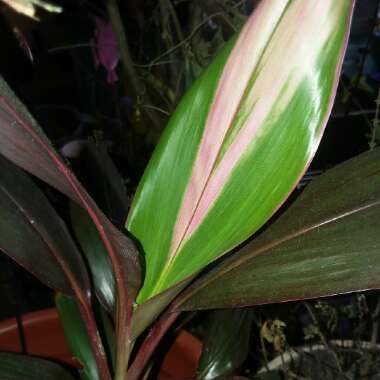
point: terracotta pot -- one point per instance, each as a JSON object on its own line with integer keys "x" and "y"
{"x": 181, "y": 361}
{"x": 44, "y": 337}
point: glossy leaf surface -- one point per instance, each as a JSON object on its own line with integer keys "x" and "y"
{"x": 96, "y": 256}
{"x": 76, "y": 335}
{"x": 226, "y": 343}
{"x": 21, "y": 367}
{"x": 33, "y": 235}
{"x": 327, "y": 242}
{"x": 240, "y": 138}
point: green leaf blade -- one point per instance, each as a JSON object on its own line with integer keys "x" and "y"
{"x": 265, "y": 120}
{"x": 77, "y": 337}
{"x": 174, "y": 154}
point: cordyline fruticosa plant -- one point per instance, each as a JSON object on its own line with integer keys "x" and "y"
{"x": 234, "y": 149}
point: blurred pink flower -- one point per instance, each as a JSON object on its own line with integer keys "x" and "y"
{"x": 106, "y": 49}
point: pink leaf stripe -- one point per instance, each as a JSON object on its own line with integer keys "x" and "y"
{"x": 227, "y": 139}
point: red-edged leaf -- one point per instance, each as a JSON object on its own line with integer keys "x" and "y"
{"x": 23, "y": 142}
{"x": 33, "y": 235}
{"x": 326, "y": 243}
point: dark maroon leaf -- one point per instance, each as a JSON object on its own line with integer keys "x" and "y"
{"x": 34, "y": 236}
{"x": 23, "y": 142}
{"x": 21, "y": 367}
{"x": 97, "y": 258}
{"x": 327, "y": 242}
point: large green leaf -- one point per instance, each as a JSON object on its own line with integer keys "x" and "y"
{"x": 226, "y": 343}
{"x": 327, "y": 242}
{"x": 77, "y": 337}
{"x": 240, "y": 138}
{"x": 21, "y": 367}
{"x": 33, "y": 235}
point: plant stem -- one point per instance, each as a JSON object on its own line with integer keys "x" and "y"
{"x": 150, "y": 344}
{"x": 132, "y": 82}
{"x": 177, "y": 26}
{"x": 95, "y": 341}
{"x": 123, "y": 342}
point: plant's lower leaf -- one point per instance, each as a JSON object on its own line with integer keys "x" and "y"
{"x": 77, "y": 337}
{"x": 327, "y": 242}
{"x": 21, "y": 367}
{"x": 96, "y": 256}
{"x": 33, "y": 235}
{"x": 226, "y": 343}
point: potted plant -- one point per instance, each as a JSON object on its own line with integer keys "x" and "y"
{"x": 233, "y": 151}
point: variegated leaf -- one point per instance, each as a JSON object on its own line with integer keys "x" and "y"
{"x": 241, "y": 138}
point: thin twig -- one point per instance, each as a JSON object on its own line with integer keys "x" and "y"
{"x": 191, "y": 35}
{"x": 376, "y": 122}
{"x": 149, "y": 106}
{"x": 73, "y": 46}
{"x": 149, "y": 65}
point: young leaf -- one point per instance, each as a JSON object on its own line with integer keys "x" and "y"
{"x": 76, "y": 335}
{"x": 33, "y": 235}
{"x": 226, "y": 343}
{"x": 21, "y": 367}
{"x": 327, "y": 242}
{"x": 240, "y": 139}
